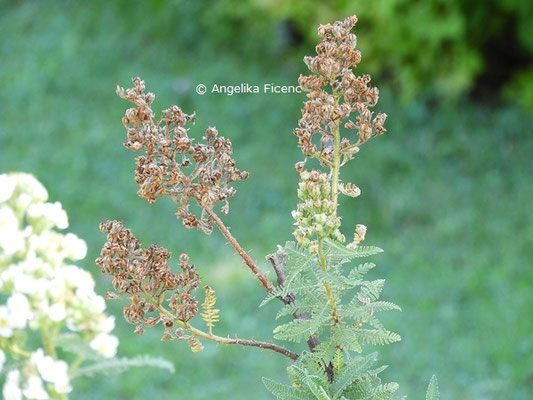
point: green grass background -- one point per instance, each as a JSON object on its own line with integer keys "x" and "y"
{"x": 446, "y": 192}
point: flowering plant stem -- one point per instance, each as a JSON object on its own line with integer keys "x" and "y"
{"x": 336, "y": 158}
{"x": 240, "y": 251}
{"x": 222, "y": 340}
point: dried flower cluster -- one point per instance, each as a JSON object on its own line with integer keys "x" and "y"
{"x": 315, "y": 214}
{"x": 145, "y": 273}
{"x": 174, "y": 166}
{"x": 323, "y": 112}
{"x": 334, "y": 93}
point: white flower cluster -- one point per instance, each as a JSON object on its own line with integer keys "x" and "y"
{"x": 43, "y": 291}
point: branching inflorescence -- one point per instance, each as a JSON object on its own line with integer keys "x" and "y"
{"x": 331, "y": 306}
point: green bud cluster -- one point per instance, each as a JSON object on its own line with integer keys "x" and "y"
{"x": 316, "y": 213}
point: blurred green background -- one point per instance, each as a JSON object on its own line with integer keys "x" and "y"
{"x": 446, "y": 192}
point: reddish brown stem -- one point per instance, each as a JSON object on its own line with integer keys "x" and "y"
{"x": 264, "y": 345}
{"x": 240, "y": 251}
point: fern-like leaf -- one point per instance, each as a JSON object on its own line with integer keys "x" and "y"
{"x": 118, "y": 365}
{"x": 277, "y": 292}
{"x": 298, "y": 260}
{"x": 372, "y": 289}
{"x": 377, "y": 336}
{"x": 289, "y": 309}
{"x": 300, "y": 329}
{"x": 338, "y": 252}
{"x": 433, "y": 389}
{"x": 338, "y": 362}
{"x": 360, "y": 271}
{"x": 210, "y": 313}
{"x": 355, "y": 370}
{"x": 345, "y": 337}
{"x": 385, "y": 391}
{"x": 378, "y": 306}
{"x": 284, "y": 392}
{"x": 315, "y": 383}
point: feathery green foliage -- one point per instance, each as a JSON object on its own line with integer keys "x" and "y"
{"x": 119, "y": 365}
{"x": 433, "y": 389}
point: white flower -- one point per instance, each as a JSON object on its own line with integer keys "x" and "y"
{"x": 8, "y": 219}
{"x": 7, "y": 186}
{"x": 11, "y": 242}
{"x": 34, "y": 389}
{"x": 11, "y": 390}
{"x": 31, "y": 186}
{"x": 5, "y": 327}
{"x": 2, "y": 357}
{"x": 19, "y": 310}
{"x": 105, "y": 344}
{"x": 51, "y": 212}
{"x": 57, "y": 312}
{"x": 11, "y": 239}
{"x": 47, "y": 244}
{"x": 105, "y": 325}
{"x": 79, "y": 278}
{"x": 23, "y": 201}
{"x": 53, "y": 371}
{"x": 25, "y": 283}
{"x": 96, "y": 304}
{"x": 63, "y": 387}
{"x": 57, "y": 286}
{"x": 75, "y": 248}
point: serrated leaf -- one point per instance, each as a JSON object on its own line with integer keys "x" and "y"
{"x": 300, "y": 329}
{"x": 356, "y": 274}
{"x": 372, "y": 289}
{"x": 337, "y": 252}
{"x": 346, "y": 337}
{"x": 298, "y": 260}
{"x": 313, "y": 382}
{"x": 379, "y": 306}
{"x": 356, "y": 369}
{"x": 118, "y": 365}
{"x": 277, "y": 292}
{"x": 432, "y": 392}
{"x": 289, "y": 309}
{"x": 377, "y": 336}
{"x": 284, "y": 392}
{"x": 385, "y": 391}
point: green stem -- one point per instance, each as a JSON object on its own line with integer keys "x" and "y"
{"x": 48, "y": 340}
{"x": 321, "y": 257}
{"x": 75, "y": 364}
{"x": 14, "y": 349}
{"x": 336, "y": 158}
{"x": 327, "y": 287}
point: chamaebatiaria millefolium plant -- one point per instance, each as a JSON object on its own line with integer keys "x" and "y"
{"x": 53, "y": 326}
{"x": 332, "y": 307}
